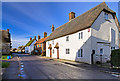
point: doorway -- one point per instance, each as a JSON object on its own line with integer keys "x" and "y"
{"x": 92, "y": 56}
{"x": 50, "y": 52}
{"x": 58, "y": 53}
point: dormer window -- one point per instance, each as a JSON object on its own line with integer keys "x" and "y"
{"x": 106, "y": 16}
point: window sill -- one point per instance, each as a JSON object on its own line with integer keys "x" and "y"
{"x": 79, "y": 57}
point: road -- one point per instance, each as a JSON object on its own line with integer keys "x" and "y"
{"x": 36, "y": 67}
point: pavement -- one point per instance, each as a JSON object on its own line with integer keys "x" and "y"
{"x": 36, "y": 67}
{"x": 12, "y": 71}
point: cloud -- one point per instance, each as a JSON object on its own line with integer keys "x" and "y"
{"x": 16, "y": 42}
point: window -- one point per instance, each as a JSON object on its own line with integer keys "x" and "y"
{"x": 67, "y": 38}
{"x": 112, "y": 48}
{"x": 106, "y": 16}
{"x": 48, "y": 43}
{"x": 81, "y": 35}
{"x": 53, "y": 51}
{"x": 41, "y": 44}
{"x": 53, "y": 42}
{"x": 38, "y": 45}
{"x": 101, "y": 51}
{"x": 67, "y": 51}
{"x": 80, "y": 53}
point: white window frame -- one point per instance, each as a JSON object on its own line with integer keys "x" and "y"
{"x": 53, "y": 51}
{"x": 106, "y": 16}
{"x": 48, "y": 43}
{"x": 102, "y": 51}
{"x": 67, "y": 51}
{"x": 53, "y": 42}
{"x": 80, "y": 53}
{"x": 67, "y": 38}
{"x": 80, "y": 36}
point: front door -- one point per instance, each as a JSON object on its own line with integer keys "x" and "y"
{"x": 92, "y": 56}
{"x": 58, "y": 53}
{"x": 50, "y": 52}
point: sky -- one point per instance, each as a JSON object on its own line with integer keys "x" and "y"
{"x": 29, "y": 19}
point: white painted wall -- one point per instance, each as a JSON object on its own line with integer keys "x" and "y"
{"x": 27, "y": 49}
{"x": 101, "y": 32}
{"x": 30, "y": 48}
{"x": 73, "y": 44}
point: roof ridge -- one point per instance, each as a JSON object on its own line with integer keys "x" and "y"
{"x": 84, "y": 13}
{"x": 81, "y": 22}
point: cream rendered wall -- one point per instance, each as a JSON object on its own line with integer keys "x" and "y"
{"x": 73, "y": 44}
{"x": 101, "y": 32}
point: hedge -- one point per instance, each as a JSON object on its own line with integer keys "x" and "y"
{"x": 115, "y": 58}
{"x": 5, "y": 64}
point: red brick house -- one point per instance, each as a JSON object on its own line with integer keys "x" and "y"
{"x": 40, "y": 45}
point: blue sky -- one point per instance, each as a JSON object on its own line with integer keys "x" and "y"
{"x": 29, "y": 19}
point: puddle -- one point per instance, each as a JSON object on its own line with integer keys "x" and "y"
{"x": 21, "y": 71}
{"x": 22, "y": 66}
{"x": 22, "y": 76}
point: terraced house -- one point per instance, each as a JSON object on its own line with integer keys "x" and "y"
{"x": 29, "y": 47}
{"x": 88, "y": 38}
{"x": 40, "y": 45}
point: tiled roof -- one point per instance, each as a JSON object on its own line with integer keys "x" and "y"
{"x": 41, "y": 40}
{"x": 81, "y": 22}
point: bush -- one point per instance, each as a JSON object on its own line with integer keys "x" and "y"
{"x": 115, "y": 58}
{"x": 5, "y": 64}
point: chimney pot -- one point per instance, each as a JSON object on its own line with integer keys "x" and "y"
{"x": 35, "y": 37}
{"x": 30, "y": 38}
{"x": 8, "y": 30}
{"x": 52, "y": 27}
{"x": 45, "y": 34}
{"x": 38, "y": 37}
{"x": 71, "y": 15}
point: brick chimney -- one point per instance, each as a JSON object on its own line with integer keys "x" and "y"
{"x": 45, "y": 34}
{"x": 52, "y": 27}
{"x": 7, "y": 30}
{"x": 71, "y": 15}
{"x": 30, "y": 38}
{"x": 38, "y": 37}
{"x": 35, "y": 37}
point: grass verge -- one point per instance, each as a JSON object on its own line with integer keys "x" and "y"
{"x": 5, "y": 64}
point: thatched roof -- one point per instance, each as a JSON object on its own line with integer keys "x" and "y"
{"x": 5, "y": 36}
{"x": 81, "y": 22}
{"x": 30, "y": 42}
